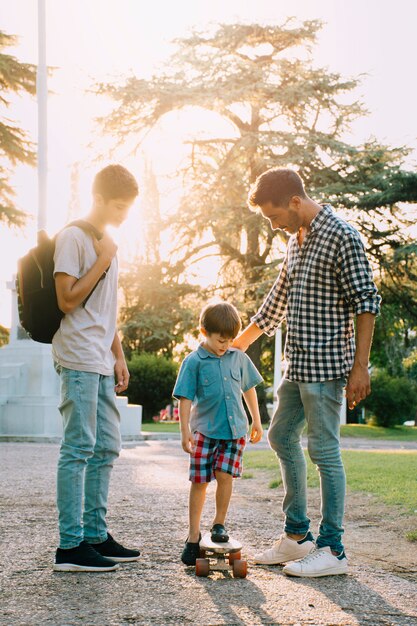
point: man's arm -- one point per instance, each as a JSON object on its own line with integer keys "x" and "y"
{"x": 72, "y": 291}
{"x": 269, "y": 316}
{"x": 359, "y": 382}
{"x": 354, "y": 274}
{"x": 120, "y": 368}
{"x": 247, "y": 336}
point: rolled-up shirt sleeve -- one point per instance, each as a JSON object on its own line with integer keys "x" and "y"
{"x": 273, "y": 310}
{"x": 355, "y": 277}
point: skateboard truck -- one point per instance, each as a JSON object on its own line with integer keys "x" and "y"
{"x": 220, "y": 557}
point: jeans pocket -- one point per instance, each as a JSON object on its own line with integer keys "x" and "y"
{"x": 339, "y": 385}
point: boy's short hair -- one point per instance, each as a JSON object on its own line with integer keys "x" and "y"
{"x": 277, "y": 185}
{"x": 222, "y": 318}
{"x": 115, "y": 181}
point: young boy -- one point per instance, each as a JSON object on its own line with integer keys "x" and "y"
{"x": 88, "y": 356}
{"x": 209, "y": 387}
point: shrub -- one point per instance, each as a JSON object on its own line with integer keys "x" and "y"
{"x": 152, "y": 379}
{"x": 393, "y": 400}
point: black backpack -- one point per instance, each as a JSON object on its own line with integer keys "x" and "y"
{"x": 39, "y": 312}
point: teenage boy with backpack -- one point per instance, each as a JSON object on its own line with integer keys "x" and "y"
{"x": 88, "y": 357}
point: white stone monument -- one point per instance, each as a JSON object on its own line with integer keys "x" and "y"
{"x": 29, "y": 385}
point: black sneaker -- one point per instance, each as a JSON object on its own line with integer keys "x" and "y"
{"x": 115, "y": 551}
{"x": 83, "y": 558}
{"x": 219, "y": 534}
{"x": 191, "y": 552}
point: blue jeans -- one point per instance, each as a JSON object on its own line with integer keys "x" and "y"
{"x": 90, "y": 444}
{"x": 318, "y": 404}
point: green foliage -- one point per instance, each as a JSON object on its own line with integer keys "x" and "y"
{"x": 158, "y": 310}
{"x": 393, "y": 399}
{"x": 151, "y": 383}
{"x": 410, "y": 365}
{"x": 15, "y": 147}
{"x": 4, "y": 335}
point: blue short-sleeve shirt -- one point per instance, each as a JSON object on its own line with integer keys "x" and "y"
{"x": 215, "y": 385}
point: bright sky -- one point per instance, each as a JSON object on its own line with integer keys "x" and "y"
{"x": 93, "y": 40}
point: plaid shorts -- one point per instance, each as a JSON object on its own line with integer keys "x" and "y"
{"x": 224, "y": 455}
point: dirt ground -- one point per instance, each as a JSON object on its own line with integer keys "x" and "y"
{"x": 148, "y": 508}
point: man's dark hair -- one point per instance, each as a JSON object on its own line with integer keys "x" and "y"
{"x": 277, "y": 185}
{"x": 221, "y": 318}
{"x": 115, "y": 181}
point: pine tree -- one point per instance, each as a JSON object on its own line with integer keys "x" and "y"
{"x": 15, "y": 147}
{"x": 281, "y": 111}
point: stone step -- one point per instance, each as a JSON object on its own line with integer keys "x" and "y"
{"x": 13, "y": 379}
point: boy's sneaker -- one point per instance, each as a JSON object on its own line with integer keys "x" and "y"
{"x": 191, "y": 552}
{"x": 320, "y": 562}
{"x": 115, "y": 551}
{"x": 219, "y": 534}
{"x": 83, "y": 558}
{"x": 286, "y": 549}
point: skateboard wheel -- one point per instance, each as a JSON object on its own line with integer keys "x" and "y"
{"x": 202, "y": 554}
{"x": 233, "y": 556}
{"x": 202, "y": 567}
{"x": 240, "y": 568}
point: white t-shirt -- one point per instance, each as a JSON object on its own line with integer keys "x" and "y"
{"x": 84, "y": 338}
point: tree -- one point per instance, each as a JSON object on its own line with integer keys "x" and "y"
{"x": 15, "y": 147}
{"x": 281, "y": 111}
{"x": 157, "y": 313}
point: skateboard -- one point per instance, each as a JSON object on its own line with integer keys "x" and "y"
{"x": 220, "y": 557}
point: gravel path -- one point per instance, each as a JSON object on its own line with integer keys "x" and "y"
{"x": 148, "y": 507}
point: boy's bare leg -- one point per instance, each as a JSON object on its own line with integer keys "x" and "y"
{"x": 223, "y": 495}
{"x": 195, "y": 507}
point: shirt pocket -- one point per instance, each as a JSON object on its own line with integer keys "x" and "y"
{"x": 236, "y": 377}
{"x": 207, "y": 382}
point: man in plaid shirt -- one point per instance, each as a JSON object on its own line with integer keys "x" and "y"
{"x": 325, "y": 281}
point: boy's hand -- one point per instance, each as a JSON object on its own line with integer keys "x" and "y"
{"x": 188, "y": 442}
{"x": 105, "y": 248}
{"x": 121, "y": 374}
{"x": 256, "y": 432}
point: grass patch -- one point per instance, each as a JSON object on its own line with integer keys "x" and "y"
{"x": 390, "y": 476}
{"x": 247, "y": 475}
{"x": 160, "y": 427}
{"x": 274, "y": 484}
{"x": 411, "y": 536}
{"x": 399, "y": 433}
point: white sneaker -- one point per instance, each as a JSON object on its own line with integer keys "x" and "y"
{"x": 320, "y": 562}
{"x": 285, "y": 549}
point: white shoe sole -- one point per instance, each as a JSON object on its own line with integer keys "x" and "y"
{"x": 327, "y": 572}
{"x": 260, "y": 562}
{"x": 71, "y": 567}
{"x": 128, "y": 559}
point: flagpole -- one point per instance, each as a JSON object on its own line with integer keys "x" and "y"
{"x": 42, "y": 98}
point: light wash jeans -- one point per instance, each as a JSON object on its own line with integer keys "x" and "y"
{"x": 90, "y": 444}
{"x": 318, "y": 404}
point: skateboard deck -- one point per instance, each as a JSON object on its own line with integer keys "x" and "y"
{"x": 224, "y": 557}
{"x": 220, "y": 548}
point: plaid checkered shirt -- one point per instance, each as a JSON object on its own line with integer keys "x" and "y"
{"x": 321, "y": 287}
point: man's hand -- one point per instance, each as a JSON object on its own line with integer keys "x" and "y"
{"x": 121, "y": 374}
{"x": 187, "y": 441}
{"x": 105, "y": 248}
{"x": 256, "y": 432}
{"x": 240, "y": 343}
{"x": 358, "y": 386}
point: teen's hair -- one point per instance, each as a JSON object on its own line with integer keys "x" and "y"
{"x": 221, "y": 318}
{"x": 115, "y": 181}
{"x": 277, "y": 185}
